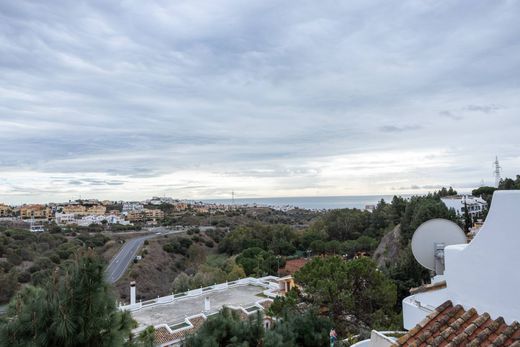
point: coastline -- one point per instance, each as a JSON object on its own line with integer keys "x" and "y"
{"x": 311, "y": 203}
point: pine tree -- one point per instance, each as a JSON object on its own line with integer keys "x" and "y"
{"x": 74, "y": 308}
{"x": 147, "y": 337}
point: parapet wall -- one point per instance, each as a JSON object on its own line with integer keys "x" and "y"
{"x": 269, "y": 283}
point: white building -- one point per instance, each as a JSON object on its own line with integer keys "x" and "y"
{"x": 132, "y": 206}
{"x": 156, "y": 200}
{"x": 476, "y": 302}
{"x": 177, "y": 315}
{"x": 65, "y": 218}
{"x": 96, "y": 219}
{"x": 475, "y": 205}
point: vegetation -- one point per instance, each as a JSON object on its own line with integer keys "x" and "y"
{"x": 227, "y": 329}
{"x": 420, "y": 209}
{"x": 255, "y": 261}
{"x": 216, "y": 269}
{"x": 355, "y": 287}
{"x": 30, "y": 258}
{"x": 340, "y": 287}
{"x": 505, "y": 184}
{"x": 510, "y": 183}
{"x": 239, "y": 216}
{"x": 74, "y": 308}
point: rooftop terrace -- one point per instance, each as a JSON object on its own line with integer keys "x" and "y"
{"x": 174, "y": 312}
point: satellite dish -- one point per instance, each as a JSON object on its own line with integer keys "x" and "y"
{"x": 429, "y": 240}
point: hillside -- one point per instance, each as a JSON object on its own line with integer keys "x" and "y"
{"x": 163, "y": 259}
{"x": 28, "y": 258}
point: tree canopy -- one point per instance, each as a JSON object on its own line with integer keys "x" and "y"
{"x": 356, "y": 287}
{"x": 227, "y": 329}
{"x": 73, "y": 308}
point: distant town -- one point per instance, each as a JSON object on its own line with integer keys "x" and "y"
{"x": 157, "y": 211}
{"x": 87, "y": 212}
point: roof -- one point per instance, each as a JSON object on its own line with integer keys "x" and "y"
{"x": 163, "y": 336}
{"x": 452, "y": 325}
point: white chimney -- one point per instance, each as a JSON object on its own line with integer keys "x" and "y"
{"x": 207, "y": 304}
{"x": 132, "y": 293}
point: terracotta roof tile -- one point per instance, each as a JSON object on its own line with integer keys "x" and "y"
{"x": 452, "y": 326}
{"x": 162, "y": 335}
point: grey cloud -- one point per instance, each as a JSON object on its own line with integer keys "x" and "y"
{"x": 398, "y": 129}
{"x": 483, "y": 108}
{"x": 250, "y": 89}
{"x": 421, "y": 187}
{"x": 451, "y": 115}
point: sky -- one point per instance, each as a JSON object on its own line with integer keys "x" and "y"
{"x": 196, "y": 99}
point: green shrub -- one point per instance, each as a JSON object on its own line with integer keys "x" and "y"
{"x": 24, "y": 277}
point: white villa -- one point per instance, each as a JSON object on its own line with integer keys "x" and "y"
{"x": 97, "y": 219}
{"x": 475, "y": 205}
{"x": 65, "y": 218}
{"x": 476, "y": 302}
{"x": 177, "y": 315}
{"x": 70, "y": 218}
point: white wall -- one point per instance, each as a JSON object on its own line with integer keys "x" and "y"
{"x": 486, "y": 273}
{"x": 417, "y": 307}
{"x": 378, "y": 339}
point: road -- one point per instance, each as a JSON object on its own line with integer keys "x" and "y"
{"x": 120, "y": 262}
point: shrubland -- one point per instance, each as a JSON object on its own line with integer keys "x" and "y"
{"x": 30, "y": 258}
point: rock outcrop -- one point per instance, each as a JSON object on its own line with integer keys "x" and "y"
{"x": 389, "y": 248}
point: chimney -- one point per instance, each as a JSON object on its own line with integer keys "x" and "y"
{"x": 132, "y": 293}
{"x": 207, "y": 304}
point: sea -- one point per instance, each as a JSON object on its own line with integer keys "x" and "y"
{"x": 311, "y": 203}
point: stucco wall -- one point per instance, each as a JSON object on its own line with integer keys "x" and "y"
{"x": 486, "y": 273}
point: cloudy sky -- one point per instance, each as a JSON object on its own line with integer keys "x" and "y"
{"x": 194, "y": 99}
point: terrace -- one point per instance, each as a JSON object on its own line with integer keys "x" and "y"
{"x": 172, "y": 312}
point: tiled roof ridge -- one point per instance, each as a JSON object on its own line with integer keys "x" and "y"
{"x": 451, "y": 326}
{"x": 412, "y": 332}
{"x": 486, "y": 332}
{"x": 507, "y": 334}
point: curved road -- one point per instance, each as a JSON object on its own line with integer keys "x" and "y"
{"x": 121, "y": 261}
{"x": 118, "y": 265}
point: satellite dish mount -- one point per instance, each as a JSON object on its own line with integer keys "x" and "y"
{"x": 430, "y": 239}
